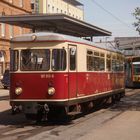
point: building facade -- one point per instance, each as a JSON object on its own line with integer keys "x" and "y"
{"x": 71, "y": 8}
{"x": 10, "y": 7}
{"x": 129, "y": 45}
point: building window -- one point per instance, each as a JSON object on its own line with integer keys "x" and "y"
{"x": 21, "y": 3}
{"x": 53, "y": 9}
{"x": 57, "y": 10}
{"x": 48, "y": 8}
{"x": 1, "y": 56}
{"x": 32, "y": 4}
{"x": 2, "y": 29}
{"x": 11, "y": 33}
{"x": 21, "y": 30}
{"x": 11, "y": 1}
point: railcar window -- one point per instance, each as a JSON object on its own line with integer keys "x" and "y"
{"x": 96, "y": 63}
{"x": 136, "y": 69}
{"x": 113, "y": 65}
{"x": 102, "y": 55}
{"x": 89, "y": 52}
{"x": 114, "y": 57}
{"x": 102, "y": 64}
{"x": 14, "y": 57}
{"x": 117, "y": 66}
{"x": 35, "y": 59}
{"x": 108, "y": 56}
{"x": 96, "y": 53}
{"x": 108, "y": 64}
{"x": 58, "y": 60}
{"x": 121, "y": 66}
{"x": 89, "y": 63}
{"x": 72, "y": 58}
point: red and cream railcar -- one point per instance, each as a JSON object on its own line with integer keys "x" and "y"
{"x": 61, "y": 73}
{"x": 132, "y": 71}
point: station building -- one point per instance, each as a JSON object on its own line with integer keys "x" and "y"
{"x": 10, "y": 7}
{"x": 24, "y": 16}
{"x": 71, "y": 8}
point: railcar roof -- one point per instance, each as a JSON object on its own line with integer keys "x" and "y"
{"x": 48, "y": 36}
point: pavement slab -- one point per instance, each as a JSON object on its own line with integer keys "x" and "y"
{"x": 119, "y": 128}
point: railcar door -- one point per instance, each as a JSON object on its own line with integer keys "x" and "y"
{"x": 72, "y": 71}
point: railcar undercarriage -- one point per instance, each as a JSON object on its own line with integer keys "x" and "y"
{"x": 45, "y": 111}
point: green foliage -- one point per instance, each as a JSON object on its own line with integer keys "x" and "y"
{"x": 136, "y": 14}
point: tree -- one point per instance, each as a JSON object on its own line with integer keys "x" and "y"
{"x": 136, "y": 14}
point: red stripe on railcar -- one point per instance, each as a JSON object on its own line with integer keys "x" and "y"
{"x": 67, "y": 85}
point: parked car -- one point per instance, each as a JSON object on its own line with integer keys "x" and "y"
{"x": 6, "y": 79}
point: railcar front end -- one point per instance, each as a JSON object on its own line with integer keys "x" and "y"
{"x": 39, "y": 78}
{"x": 132, "y": 72}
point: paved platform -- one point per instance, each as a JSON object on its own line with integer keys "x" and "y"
{"x": 119, "y": 128}
{"x": 4, "y": 92}
{"x": 4, "y": 100}
{"x": 4, "y": 105}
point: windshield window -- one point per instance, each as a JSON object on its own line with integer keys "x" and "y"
{"x": 14, "y": 57}
{"x": 58, "y": 60}
{"x": 35, "y": 59}
{"x": 136, "y": 69}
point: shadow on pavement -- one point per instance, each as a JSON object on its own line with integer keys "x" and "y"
{"x": 128, "y": 103}
{"x": 6, "y": 118}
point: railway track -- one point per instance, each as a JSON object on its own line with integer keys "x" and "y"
{"x": 18, "y": 128}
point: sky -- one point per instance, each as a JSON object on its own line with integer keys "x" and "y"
{"x": 112, "y": 15}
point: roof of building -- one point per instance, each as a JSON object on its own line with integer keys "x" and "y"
{"x": 74, "y": 2}
{"x": 48, "y": 36}
{"x": 59, "y": 23}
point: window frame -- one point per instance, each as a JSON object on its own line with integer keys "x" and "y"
{"x": 65, "y": 59}
{"x": 74, "y": 66}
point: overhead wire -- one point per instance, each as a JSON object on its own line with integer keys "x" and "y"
{"x": 115, "y": 17}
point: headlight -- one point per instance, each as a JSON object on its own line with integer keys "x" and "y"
{"x": 51, "y": 91}
{"x": 18, "y": 90}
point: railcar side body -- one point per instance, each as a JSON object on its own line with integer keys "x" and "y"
{"x": 53, "y": 71}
